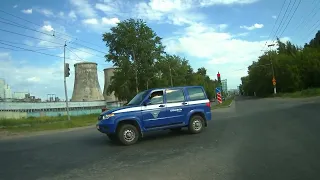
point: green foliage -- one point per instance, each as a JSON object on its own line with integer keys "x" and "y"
{"x": 295, "y": 69}
{"x": 142, "y": 64}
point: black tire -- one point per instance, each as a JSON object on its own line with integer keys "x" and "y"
{"x": 124, "y": 133}
{"x": 196, "y": 124}
{"x": 113, "y": 137}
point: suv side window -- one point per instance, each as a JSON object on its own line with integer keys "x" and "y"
{"x": 156, "y": 97}
{"x": 196, "y": 93}
{"x": 174, "y": 95}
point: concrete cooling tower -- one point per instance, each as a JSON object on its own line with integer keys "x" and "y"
{"x": 108, "y": 73}
{"x": 86, "y": 84}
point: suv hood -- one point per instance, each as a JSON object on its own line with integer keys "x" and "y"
{"x": 116, "y": 109}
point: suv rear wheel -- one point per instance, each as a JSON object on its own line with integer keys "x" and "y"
{"x": 196, "y": 124}
{"x": 128, "y": 134}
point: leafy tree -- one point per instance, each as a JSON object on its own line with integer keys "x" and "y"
{"x": 295, "y": 69}
{"x": 133, "y": 47}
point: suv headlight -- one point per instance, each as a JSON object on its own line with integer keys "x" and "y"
{"x": 107, "y": 116}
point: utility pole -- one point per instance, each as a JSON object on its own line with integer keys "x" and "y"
{"x": 272, "y": 68}
{"x": 170, "y": 76}
{"x": 64, "y": 79}
{"x": 136, "y": 69}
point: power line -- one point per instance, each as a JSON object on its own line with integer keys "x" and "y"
{"x": 290, "y": 18}
{"x": 275, "y": 34}
{"x": 86, "y": 52}
{"x": 31, "y": 50}
{"x": 274, "y": 25}
{"x": 30, "y": 37}
{"x": 41, "y": 26}
{"x": 303, "y": 19}
{"x": 17, "y": 25}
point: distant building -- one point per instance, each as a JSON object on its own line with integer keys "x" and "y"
{"x": 7, "y": 92}
{"x": 20, "y": 95}
{"x": 2, "y": 87}
{"x": 224, "y": 84}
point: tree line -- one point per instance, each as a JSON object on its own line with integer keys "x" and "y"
{"x": 142, "y": 63}
{"x": 295, "y": 69}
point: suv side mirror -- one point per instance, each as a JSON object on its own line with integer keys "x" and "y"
{"x": 147, "y": 102}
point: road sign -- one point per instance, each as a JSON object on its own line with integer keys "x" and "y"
{"x": 218, "y": 90}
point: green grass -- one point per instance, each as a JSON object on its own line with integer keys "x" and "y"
{"x": 301, "y": 94}
{"x": 46, "y": 123}
{"x": 224, "y": 104}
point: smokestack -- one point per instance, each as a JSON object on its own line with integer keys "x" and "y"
{"x": 108, "y": 73}
{"x": 86, "y": 84}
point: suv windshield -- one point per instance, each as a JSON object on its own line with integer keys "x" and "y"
{"x": 138, "y": 98}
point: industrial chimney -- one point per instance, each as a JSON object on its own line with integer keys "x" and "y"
{"x": 108, "y": 73}
{"x": 86, "y": 84}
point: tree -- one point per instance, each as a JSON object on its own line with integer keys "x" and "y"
{"x": 133, "y": 48}
{"x": 295, "y": 68}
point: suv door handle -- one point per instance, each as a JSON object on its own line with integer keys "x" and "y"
{"x": 161, "y": 105}
{"x": 184, "y": 103}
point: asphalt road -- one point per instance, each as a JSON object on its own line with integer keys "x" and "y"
{"x": 254, "y": 139}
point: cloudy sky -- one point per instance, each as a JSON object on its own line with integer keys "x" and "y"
{"x": 221, "y": 35}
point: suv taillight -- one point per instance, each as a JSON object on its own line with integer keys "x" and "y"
{"x": 208, "y": 104}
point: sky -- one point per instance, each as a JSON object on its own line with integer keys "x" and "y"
{"x": 221, "y": 35}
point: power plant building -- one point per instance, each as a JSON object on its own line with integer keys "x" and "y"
{"x": 2, "y": 89}
{"x": 5, "y": 90}
{"x": 86, "y": 84}
{"x": 108, "y": 73}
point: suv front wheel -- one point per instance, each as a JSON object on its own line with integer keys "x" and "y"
{"x": 196, "y": 124}
{"x": 128, "y": 134}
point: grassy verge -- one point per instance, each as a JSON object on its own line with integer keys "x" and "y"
{"x": 301, "y": 94}
{"x": 224, "y": 104}
{"x": 46, "y": 123}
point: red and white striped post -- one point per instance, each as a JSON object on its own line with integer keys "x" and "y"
{"x": 219, "y": 97}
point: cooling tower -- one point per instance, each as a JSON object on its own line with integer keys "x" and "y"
{"x": 108, "y": 73}
{"x": 86, "y": 84}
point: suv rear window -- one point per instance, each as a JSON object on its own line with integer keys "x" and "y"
{"x": 196, "y": 93}
{"x": 174, "y": 95}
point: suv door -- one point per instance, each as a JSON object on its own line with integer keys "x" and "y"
{"x": 177, "y": 104}
{"x": 154, "y": 113}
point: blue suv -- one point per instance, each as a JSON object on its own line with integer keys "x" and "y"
{"x": 157, "y": 109}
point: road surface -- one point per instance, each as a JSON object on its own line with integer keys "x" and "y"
{"x": 254, "y": 139}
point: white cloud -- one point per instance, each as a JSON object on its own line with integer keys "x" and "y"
{"x": 84, "y": 8}
{"x": 78, "y": 31}
{"x": 61, "y": 14}
{"x": 104, "y": 7}
{"x": 48, "y": 28}
{"x": 217, "y": 51}
{"x": 46, "y": 12}
{"x": 225, "y": 2}
{"x": 274, "y": 17}
{"x": 255, "y": 26}
{"x": 15, "y": 6}
{"x": 111, "y": 21}
{"x": 27, "y": 11}
{"x": 90, "y": 21}
{"x": 72, "y": 15}
{"x": 223, "y": 26}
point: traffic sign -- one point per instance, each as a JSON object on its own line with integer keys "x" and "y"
{"x": 218, "y": 90}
